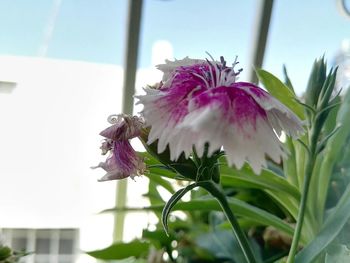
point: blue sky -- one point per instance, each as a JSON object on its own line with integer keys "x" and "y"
{"x": 94, "y": 30}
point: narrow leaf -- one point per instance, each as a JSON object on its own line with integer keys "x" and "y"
{"x": 338, "y": 254}
{"x": 332, "y": 227}
{"x": 240, "y": 208}
{"x": 287, "y": 81}
{"x": 331, "y": 153}
{"x": 266, "y": 180}
{"x": 121, "y": 250}
{"x": 323, "y": 143}
{"x": 316, "y": 80}
{"x": 280, "y": 91}
{"x": 161, "y": 181}
{"x": 172, "y": 201}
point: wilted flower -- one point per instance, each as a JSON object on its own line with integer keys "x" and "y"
{"x": 200, "y": 102}
{"x": 122, "y": 161}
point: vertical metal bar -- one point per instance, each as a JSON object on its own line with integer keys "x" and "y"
{"x": 260, "y": 38}
{"x": 130, "y": 67}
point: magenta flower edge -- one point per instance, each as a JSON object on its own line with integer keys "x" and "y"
{"x": 123, "y": 160}
{"x": 199, "y": 101}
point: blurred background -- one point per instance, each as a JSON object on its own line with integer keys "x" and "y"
{"x": 65, "y": 66}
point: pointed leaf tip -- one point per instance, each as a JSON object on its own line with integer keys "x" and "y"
{"x": 280, "y": 91}
{"x": 170, "y": 204}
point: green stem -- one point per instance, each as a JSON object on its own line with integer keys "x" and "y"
{"x": 302, "y": 208}
{"x": 240, "y": 235}
{"x": 301, "y": 213}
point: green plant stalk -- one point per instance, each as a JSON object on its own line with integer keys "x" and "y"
{"x": 300, "y": 163}
{"x": 239, "y": 233}
{"x": 303, "y": 202}
{"x": 301, "y": 213}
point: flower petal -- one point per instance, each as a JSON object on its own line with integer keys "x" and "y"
{"x": 229, "y": 117}
{"x": 124, "y": 127}
{"x": 280, "y": 117}
{"x": 170, "y": 66}
{"x": 200, "y": 102}
{"x": 122, "y": 163}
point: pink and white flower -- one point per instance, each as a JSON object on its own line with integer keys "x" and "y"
{"x": 122, "y": 161}
{"x": 199, "y": 102}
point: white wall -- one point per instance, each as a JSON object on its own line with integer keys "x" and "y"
{"x": 49, "y": 129}
{"x": 49, "y": 138}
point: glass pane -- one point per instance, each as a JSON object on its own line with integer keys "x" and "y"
{"x": 76, "y": 30}
{"x": 43, "y": 240}
{"x": 66, "y": 246}
{"x": 222, "y": 28}
{"x": 42, "y": 246}
{"x": 19, "y": 239}
{"x": 301, "y": 32}
{"x": 19, "y": 243}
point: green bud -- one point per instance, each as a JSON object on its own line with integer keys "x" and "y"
{"x": 316, "y": 81}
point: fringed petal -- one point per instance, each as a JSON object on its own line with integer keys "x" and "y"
{"x": 280, "y": 117}
{"x": 200, "y": 102}
{"x": 123, "y": 127}
{"x": 122, "y": 163}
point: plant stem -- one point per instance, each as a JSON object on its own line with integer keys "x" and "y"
{"x": 240, "y": 235}
{"x": 302, "y": 208}
{"x": 301, "y": 213}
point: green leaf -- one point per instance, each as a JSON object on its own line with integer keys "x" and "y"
{"x": 134, "y": 248}
{"x": 327, "y": 89}
{"x": 331, "y": 153}
{"x": 156, "y": 178}
{"x": 157, "y": 237}
{"x": 172, "y": 201}
{"x": 153, "y": 208}
{"x": 267, "y": 180}
{"x": 316, "y": 81}
{"x": 5, "y": 252}
{"x": 183, "y": 166}
{"x": 332, "y": 227}
{"x": 222, "y": 244}
{"x": 289, "y": 163}
{"x": 153, "y": 194}
{"x": 287, "y": 81}
{"x": 331, "y": 120}
{"x": 286, "y": 202}
{"x": 240, "y": 208}
{"x": 337, "y": 254}
{"x": 282, "y": 191}
{"x": 291, "y": 205}
{"x": 280, "y": 91}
